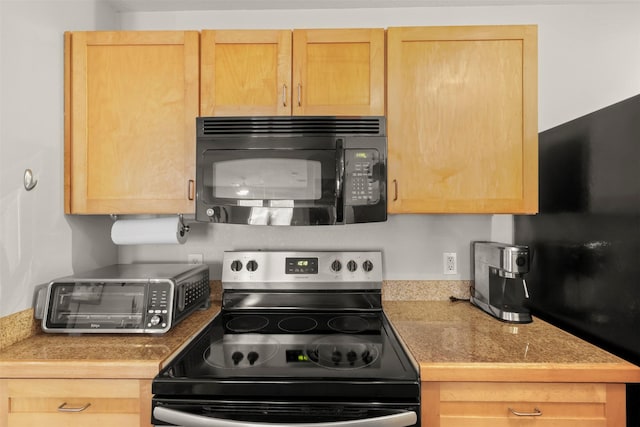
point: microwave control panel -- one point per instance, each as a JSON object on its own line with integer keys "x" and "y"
{"x": 362, "y": 177}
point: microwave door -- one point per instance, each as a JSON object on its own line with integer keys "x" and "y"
{"x": 269, "y": 187}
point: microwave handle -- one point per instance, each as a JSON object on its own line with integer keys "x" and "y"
{"x": 340, "y": 180}
{"x": 403, "y": 419}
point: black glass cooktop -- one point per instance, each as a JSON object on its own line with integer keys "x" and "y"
{"x": 302, "y": 354}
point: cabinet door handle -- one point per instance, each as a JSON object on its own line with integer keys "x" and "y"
{"x": 192, "y": 188}
{"x": 536, "y": 413}
{"x": 395, "y": 190}
{"x": 284, "y": 95}
{"x": 64, "y": 408}
{"x": 299, "y": 94}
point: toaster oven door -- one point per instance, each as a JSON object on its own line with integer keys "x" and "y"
{"x": 96, "y": 307}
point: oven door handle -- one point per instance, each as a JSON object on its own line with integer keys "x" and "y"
{"x": 167, "y": 415}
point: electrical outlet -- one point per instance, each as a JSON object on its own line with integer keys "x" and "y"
{"x": 450, "y": 263}
{"x": 195, "y": 259}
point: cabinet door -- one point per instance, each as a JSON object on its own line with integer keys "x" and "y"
{"x": 75, "y": 402}
{"x": 462, "y": 119}
{"x": 338, "y": 72}
{"x": 479, "y": 404}
{"x": 245, "y": 73}
{"x": 130, "y": 109}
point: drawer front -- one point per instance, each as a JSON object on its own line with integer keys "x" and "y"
{"x": 69, "y": 403}
{"x": 519, "y": 404}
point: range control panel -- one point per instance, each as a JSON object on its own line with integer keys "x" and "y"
{"x": 317, "y": 270}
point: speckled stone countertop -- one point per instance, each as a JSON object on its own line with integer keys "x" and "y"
{"x": 455, "y": 341}
{"x": 99, "y": 356}
{"x": 450, "y": 342}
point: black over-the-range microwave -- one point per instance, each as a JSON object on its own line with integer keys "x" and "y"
{"x": 291, "y": 170}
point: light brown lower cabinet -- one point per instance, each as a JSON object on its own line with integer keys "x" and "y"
{"x": 498, "y": 404}
{"x": 75, "y": 402}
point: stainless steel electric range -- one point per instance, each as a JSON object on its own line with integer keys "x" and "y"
{"x": 301, "y": 340}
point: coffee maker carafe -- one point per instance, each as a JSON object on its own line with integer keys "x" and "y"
{"x": 499, "y": 287}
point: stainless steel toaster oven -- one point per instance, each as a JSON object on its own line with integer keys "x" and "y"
{"x": 124, "y": 298}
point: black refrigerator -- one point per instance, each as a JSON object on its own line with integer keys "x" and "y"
{"x": 585, "y": 241}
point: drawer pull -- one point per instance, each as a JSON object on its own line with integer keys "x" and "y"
{"x": 536, "y": 413}
{"x": 63, "y": 408}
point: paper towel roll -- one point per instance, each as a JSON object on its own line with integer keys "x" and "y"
{"x": 149, "y": 231}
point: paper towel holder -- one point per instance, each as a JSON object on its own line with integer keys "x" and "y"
{"x": 184, "y": 228}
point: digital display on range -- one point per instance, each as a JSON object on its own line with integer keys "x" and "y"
{"x": 301, "y": 266}
{"x": 294, "y": 356}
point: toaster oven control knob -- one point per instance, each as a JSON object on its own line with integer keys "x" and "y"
{"x": 155, "y": 320}
{"x": 520, "y": 261}
{"x": 252, "y": 357}
{"x": 236, "y": 265}
{"x": 237, "y": 357}
{"x": 336, "y": 266}
{"x": 367, "y": 266}
{"x": 352, "y": 266}
{"x": 252, "y": 265}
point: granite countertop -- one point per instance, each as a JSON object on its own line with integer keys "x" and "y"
{"x": 100, "y": 356}
{"x": 455, "y": 341}
{"x": 450, "y": 342}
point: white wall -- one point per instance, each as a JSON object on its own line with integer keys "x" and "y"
{"x": 589, "y": 57}
{"x": 37, "y": 241}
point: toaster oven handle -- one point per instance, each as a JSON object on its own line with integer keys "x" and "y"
{"x": 404, "y": 419}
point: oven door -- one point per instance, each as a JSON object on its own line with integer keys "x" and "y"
{"x": 219, "y": 413}
{"x": 273, "y": 181}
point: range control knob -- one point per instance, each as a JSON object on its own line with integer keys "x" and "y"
{"x": 336, "y": 266}
{"x": 155, "y": 320}
{"x": 252, "y": 265}
{"x": 352, "y": 266}
{"x": 352, "y": 356}
{"x": 236, "y": 265}
{"x": 367, "y": 266}
{"x": 252, "y": 357}
{"x": 237, "y": 357}
{"x": 336, "y": 356}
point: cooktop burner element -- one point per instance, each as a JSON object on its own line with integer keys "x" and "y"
{"x": 247, "y": 323}
{"x": 297, "y": 324}
{"x": 302, "y": 336}
{"x": 349, "y": 324}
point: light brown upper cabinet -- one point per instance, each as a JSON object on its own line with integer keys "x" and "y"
{"x": 131, "y": 99}
{"x": 462, "y": 119}
{"x": 336, "y": 72}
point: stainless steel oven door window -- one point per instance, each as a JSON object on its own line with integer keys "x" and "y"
{"x": 87, "y": 305}
{"x": 269, "y": 186}
{"x": 256, "y": 414}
